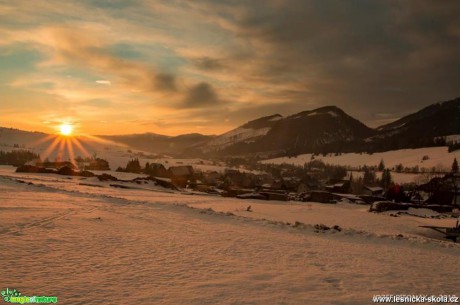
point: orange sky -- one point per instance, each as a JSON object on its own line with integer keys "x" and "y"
{"x": 175, "y": 67}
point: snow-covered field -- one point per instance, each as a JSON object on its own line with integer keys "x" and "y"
{"x": 104, "y": 245}
{"x": 428, "y": 158}
{"x": 401, "y": 178}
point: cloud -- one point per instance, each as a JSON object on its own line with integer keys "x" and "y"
{"x": 201, "y": 95}
{"x": 197, "y": 59}
{"x": 165, "y": 82}
{"x": 88, "y": 46}
{"x": 343, "y": 53}
{"x": 206, "y": 63}
{"x": 104, "y": 82}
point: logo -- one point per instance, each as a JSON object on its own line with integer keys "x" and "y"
{"x": 14, "y": 296}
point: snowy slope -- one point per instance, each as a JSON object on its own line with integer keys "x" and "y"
{"x": 237, "y": 135}
{"x": 246, "y": 133}
{"x": 327, "y": 128}
{"x": 434, "y": 157}
{"x": 112, "y": 246}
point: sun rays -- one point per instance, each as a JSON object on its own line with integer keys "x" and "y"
{"x": 67, "y": 144}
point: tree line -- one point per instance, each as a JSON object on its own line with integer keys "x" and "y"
{"x": 17, "y": 157}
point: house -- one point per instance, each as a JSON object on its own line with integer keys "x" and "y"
{"x": 443, "y": 190}
{"x": 264, "y": 180}
{"x": 181, "y": 175}
{"x": 236, "y": 178}
{"x": 320, "y": 196}
{"x": 275, "y": 196}
{"x": 95, "y": 164}
{"x": 304, "y": 187}
{"x": 340, "y": 187}
{"x": 287, "y": 184}
{"x": 373, "y": 191}
{"x": 291, "y": 183}
{"x": 212, "y": 178}
{"x": 280, "y": 185}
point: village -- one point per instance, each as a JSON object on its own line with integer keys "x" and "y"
{"x": 315, "y": 182}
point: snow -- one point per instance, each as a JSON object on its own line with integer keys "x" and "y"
{"x": 89, "y": 245}
{"x": 437, "y": 157}
{"x": 454, "y": 138}
{"x": 116, "y": 154}
{"x": 237, "y": 135}
{"x": 399, "y": 126}
{"x": 423, "y": 212}
{"x": 331, "y": 113}
{"x": 276, "y": 118}
{"x": 401, "y": 178}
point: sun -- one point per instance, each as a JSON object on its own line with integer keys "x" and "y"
{"x": 66, "y": 129}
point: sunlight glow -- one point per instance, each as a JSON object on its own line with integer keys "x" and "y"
{"x": 68, "y": 144}
{"x": 66, "y": 129}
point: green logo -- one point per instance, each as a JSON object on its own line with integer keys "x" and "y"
{"x": 14, "y": 296}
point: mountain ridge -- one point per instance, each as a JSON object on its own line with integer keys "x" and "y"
{"x": 324, "y": 129}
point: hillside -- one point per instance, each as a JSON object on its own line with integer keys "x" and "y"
{"x": 426, "y": 127}
{"x": 247, "y": 133}
{"x": 329, "y": 130}
{"x": 160, "y": 143}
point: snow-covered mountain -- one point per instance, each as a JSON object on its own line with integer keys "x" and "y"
{"x": 323, "y": 128}
{"x": 160, "y": 143}
{"x": 247, "y": 133}
{"x": 330, "y": 129}
{"x": 433, "y": 125}
{"x": 20, "y": 138}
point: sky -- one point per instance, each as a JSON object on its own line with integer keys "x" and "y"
{"x": 177, "y": 67}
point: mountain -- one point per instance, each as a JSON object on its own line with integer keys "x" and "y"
{"x": 247, "y": 133}
{"x": 426, "y": 127}
{"x": 160, "y": 143}
{"x": 316, "y": 130}
{"x": 327, "y": 128}
{"x": 324, "y": 130}
{"x": 443, "y": 118}
{"x": 19, "y": 137}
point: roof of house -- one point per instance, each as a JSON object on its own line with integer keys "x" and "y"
{"x": 185, "y": 170}
{"x": 374, "y": 188}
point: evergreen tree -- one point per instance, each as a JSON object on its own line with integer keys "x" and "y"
{"x": 455, "y": 166}
{"x": 17, "y": 157}
{"x": 133, "y": 166}
{"x": 381, "y": 166}
{"x": 386, "y": 179}
{"x": 369, "y": 176}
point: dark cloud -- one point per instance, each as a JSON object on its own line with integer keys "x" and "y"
{"x": 262, "y": 57}
{"x": 201, "y": 95}
{"x": 209, "y": 64}
{"x": 347, "y": 52}
{"x": 165, "y": 82}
